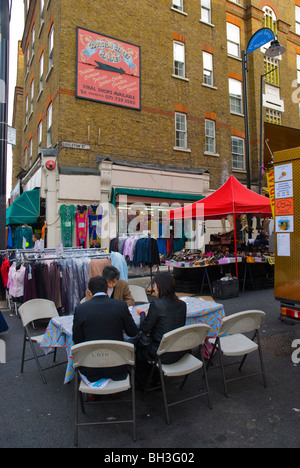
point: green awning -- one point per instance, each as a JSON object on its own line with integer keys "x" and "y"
{"x": 152, "y": 193}
{"x": 25, "y": 209}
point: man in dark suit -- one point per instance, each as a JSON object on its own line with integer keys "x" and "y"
{"x": 102, "y": 318}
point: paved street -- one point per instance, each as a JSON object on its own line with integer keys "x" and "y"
{"x": 36, "y": 415}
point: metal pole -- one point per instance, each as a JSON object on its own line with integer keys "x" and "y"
{"x": 245, "y": 97}
{"x": 261, "y": 131}
{"x": 4, "y": 59}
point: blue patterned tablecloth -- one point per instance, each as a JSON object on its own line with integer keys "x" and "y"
{"x": 59, "y": 331}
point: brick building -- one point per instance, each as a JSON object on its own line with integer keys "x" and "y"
{"x": 168, "y": 125}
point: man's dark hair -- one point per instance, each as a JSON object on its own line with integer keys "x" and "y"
{"x": 110, "y": 273}
{"x": 97, "y": 284}
{"x": 37, "y": 236}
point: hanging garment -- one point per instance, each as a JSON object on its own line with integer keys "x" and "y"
{"x": 118, "y": 261}
{"x": 67, "y": 213}
{"x": 29, "y": 284}
{"x": 23, "y": 237}
{"x": 4, "y": 271}
{"x": 97, "y": 265}
{"x": 15, "y": 282}
{"x": 95, "y": 213}
{"x": 82, "y": 225}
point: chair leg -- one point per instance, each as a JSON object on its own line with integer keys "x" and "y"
{"x": 133, "y": 404}
{"x": 223, "y": 372}
{"x": 54, "y": 354}
{"x": 37, "y": 361}
{"x": 262, "y": 362}
{"x": 184, "y": 381}
{"x": 76, "y": 409}
{"x": 164, "y": 392}
{"x": 23, "y": 353}
{"x": 206, "y": 380}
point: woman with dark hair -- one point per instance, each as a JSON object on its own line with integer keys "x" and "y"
{"x": 166, "y": 313}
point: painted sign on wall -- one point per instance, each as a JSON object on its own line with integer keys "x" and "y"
{"x": 108, "y": 70}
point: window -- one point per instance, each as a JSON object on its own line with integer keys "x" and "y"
{"x": 238, "y": 153}
{"x": 32, "y": 41}
{"x": 206, "y": 11}
{"x": 235, "y": 96}
{"x": 298, "y": 69}
{"x": 210, "y": 136}
{"x": 208, "y": 69}
{"x": 25, "y": 157}
{"x": 51, "y": 37}
{"x": 41, "y": 84}
{"x": 269, "y": 20}
{"x": 49, "y": 126}
{"x": 178, "y": 4}
{"x": 179, "y": 59}
{"x": 297, "y": 15}
{"x": 40, "y": 135}
{"x": 233, "y": 40}
{"x": 30, "y": 152}
{"x": 180, "y": 130}
{"x": 31, "y": 96}
{"x": 273, "y": 116}
{"x": 27, "y": 60}
{"x": 26, "y": 109}
{"x": 272, "y": 70}
{"x": 42, "y": 10}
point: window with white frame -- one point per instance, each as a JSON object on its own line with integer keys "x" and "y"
{"x": 40, "y": 135}
{"x": 51, "y": 38}
{"x": 238, "y": 153}
{"x": 298, "y": 68}
{"x": 27, "y": 60}
{"x": 179, "y": 58}
{"x": 26, "y": 109}
{"x": 206, "y": 11}
{"x": 208, "y": 77}
{"x": 42, "y": 10}
{"x": 49, "y": 126}
{"x": 30, "y": 152}
{"x": 235, "y": 96}
{"x": 297, "y": 17}
{"x": 178, "y": 4}
{"x": 271, "y": 70}
{"x": 269, "y": 20}
{"x": 273, "y": 116}
{"x": 41, "y": 83}
{"x": 31, "y": 96}
{"x": 210, "y": 136}
{"x": 32, "y": 41}
{"x": 180, "y": 130}
{"x": 25, "y": 157}
{"x": 233, "y": 40}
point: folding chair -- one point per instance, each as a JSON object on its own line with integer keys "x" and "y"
{"x": 231, "y": 341}
{"x": 181, "y": 339}
{"x": 99, "y": 354}
{"x": 30, "y": 311}
{"x": 138, "y": 293}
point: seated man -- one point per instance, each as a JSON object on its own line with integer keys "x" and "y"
{"x": 117, "y": 288}
{"x": 102, "y": 318}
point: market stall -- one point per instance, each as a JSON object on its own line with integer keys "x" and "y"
{"x": 233, "y": 199}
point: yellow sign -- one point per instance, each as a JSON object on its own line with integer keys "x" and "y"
{"x": 271, "y": 187}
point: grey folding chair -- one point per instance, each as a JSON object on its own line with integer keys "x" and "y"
{"x": 181, "y": 339}
{"x": 231, "y": 341}
{"x": 99, "y": 354}
{"x": 31, "y": 311}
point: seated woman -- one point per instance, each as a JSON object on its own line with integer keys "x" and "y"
{"x": 166, "y": 313}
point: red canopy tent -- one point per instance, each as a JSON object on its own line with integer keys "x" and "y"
{"x": 231, "y": 198}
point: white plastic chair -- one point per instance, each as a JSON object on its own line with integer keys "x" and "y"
{"x": 101, "y": 354}
{"x": 30, "y": 311}
{"x": 181, "y": 339}
{"x": 231, "y": 341}
{"x": 138, "y": 293}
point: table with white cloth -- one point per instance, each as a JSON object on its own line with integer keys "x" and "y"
{"x": 59, "y": 331}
